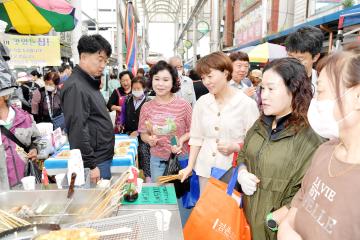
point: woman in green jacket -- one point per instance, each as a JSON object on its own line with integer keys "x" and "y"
{"x": 278, "y": 148}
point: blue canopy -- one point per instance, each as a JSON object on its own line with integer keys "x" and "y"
{"x": 351, "y": 17}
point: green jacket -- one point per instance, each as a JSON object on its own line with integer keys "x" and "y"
{"x": 280, "y": 162}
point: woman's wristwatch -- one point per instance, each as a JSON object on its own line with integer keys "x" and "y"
{"x": 271, "y": 223}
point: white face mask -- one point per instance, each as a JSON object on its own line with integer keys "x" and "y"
{"x": 137, "y": 93}
{"x": 49, "y": 88}
{"x": 322, "y": 120}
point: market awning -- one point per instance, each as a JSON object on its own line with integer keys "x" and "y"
{"x": 350, "y": 17}
{"x": 316, "y": 22}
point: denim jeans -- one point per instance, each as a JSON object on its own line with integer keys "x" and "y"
{"x": 104, "y": 168}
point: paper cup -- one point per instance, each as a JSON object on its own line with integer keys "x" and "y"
{"x": 103, "y": 183}
{"x": 163, "y": 218}
{"x": 139, "y": 185}
{"x": 28, "y": 183}
{"x": 59, "y": 178}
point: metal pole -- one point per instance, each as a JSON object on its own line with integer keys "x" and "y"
{"x": 199, "y": 5}
{"x": 119, "y": 36}
{"x": 195, "y": 41}
{"x": 182, "y": 15}
{"x": 215, "y": 26}
{"x": 147, "y": 37}
{"x": 187, "y": 32}
{"x": 176, "y": 23}
{"x": 144, "y": 40}
{"x": 77, "y": 32}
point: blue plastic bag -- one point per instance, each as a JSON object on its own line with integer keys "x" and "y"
{"x": 189, "y": 199}
{"x": 217, "y": 172}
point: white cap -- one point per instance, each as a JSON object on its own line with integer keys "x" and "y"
{"x": 23, "y": 77}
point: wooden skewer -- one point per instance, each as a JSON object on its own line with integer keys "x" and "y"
{"x": 169, "y": 178}
{"x": 13, "y": 218}
{"x": 102, "y": 205}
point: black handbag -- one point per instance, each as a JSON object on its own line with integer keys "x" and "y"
{"x": 57, "y": 121}
{"x": 172, "y": 165}
{"x": 172, "y": 168}
{"x": 31, "y": 168}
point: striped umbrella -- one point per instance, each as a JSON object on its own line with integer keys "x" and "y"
{"x": 266, "y": 52}
{"x": 130, "y": 38}
{"x": 37, "y": 16}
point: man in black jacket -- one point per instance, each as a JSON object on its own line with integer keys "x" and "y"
{"x": 87, "y": 120}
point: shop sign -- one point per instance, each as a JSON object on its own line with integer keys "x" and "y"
{"x": 187, "y": 44}
{"x": 249, "y": 27}
{"x": 203, "y": 27}
{"x": 245, "y": 4}
{"x": 32, "y": 50}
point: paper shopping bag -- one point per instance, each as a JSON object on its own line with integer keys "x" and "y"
{"x": 217, "y": 215}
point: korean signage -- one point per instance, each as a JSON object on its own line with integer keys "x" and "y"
{"x": 245, "y": 4}
{"x": 32, "y": 50}
{"x": 249, "y": 27}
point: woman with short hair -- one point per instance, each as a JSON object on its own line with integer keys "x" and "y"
{"x": 220, "y": 119}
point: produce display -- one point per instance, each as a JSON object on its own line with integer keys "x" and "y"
{"x": 63, "y": 154}
{"x": 122, "y": 148}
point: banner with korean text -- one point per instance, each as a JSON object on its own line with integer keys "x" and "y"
{"x": 26, "y": 51}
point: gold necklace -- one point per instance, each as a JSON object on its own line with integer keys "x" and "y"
{"x": 342, "y": 172}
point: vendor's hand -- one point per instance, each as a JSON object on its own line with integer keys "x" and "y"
{"x": 185, "y": 173}
{"x": 32, "y": 155}
{"x": 176, "y": 149}
{"x": 95, "y": 175}
{"x": 227, "y": 148}
{"x": 152, "y": 141}
{"x": 134, "y": 134}
{"x": 248, "y": 181}
{"x": 120, "y": 128}
{"x": 250, "y": 91}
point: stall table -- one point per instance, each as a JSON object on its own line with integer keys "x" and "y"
{"x": 119, "y": 164}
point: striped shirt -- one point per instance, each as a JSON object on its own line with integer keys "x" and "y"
{"x": 165, "y": 121}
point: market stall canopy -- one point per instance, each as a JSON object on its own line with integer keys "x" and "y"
{"x": 266, "y": 52}
{"x": 37, "y": 16}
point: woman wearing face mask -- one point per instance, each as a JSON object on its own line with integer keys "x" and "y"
{"x": 326, "y": 206}
{"x": 220, "y": 119}
{"x": 118, "y": 97}
{"x": 163, "y": 118}
{"x": 46, "y": 103}
{"x": 22, "y": 126}
{"x": 133, "y": 105}
{"x": 278, "y": 148}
